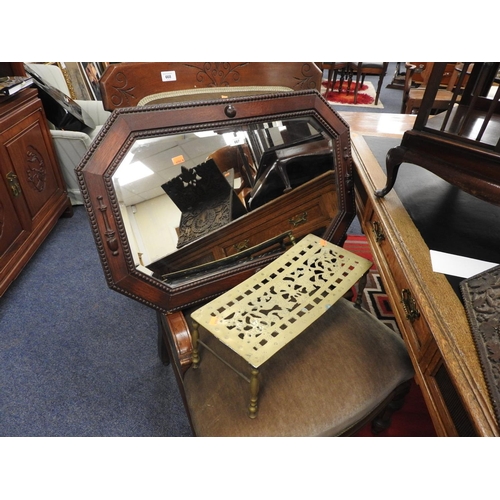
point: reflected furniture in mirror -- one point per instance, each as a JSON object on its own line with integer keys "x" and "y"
{"x": 348, "y": 368}
{"x": 133, "y": 84}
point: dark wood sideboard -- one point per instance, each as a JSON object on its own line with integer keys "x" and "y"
{"x": 32, "y": 191}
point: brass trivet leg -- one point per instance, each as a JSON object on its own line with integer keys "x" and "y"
{"x": 254, "y": 393}
{"x": 361, "y": 288}
{"x": 195, "y": 335}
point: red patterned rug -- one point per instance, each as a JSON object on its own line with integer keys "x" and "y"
{"x": 413, "y": 420}
{"x": 374, "y": 297}
{"x": 345, "y": 97}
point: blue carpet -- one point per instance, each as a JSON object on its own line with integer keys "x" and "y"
{"x": 76, "y": 358}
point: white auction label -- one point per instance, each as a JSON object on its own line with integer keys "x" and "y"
{"x": 168, "y": 76}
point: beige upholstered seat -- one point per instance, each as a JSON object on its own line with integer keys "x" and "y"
{"x": 209, "y": 93}
{"x": 333, "y": 378}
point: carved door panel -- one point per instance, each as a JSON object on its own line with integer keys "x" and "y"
{"x": 31, "y": 163}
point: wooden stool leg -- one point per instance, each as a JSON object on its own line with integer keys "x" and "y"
{"x": 361, "y": 288}
{"x": 383, "y": 420}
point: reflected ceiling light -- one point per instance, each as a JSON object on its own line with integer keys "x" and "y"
{"x": 207, "y": 133}
{"x": 132, "y": 172}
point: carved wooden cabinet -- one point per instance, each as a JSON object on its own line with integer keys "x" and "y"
{"x": 32, "y": 191}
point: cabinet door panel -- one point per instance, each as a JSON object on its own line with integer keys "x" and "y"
{"x": 28, "y": 152}
{"x": 10, "y": 226}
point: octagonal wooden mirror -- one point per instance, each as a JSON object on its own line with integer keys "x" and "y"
{"x": 187, "y": 200}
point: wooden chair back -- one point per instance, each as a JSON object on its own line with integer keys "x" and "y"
{"x": 125, "y": 84}
{"x": 419, "y": 73}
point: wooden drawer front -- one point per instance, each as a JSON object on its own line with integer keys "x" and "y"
{"x": 310, "y": 216}
{"x": 403, "y": 299}
{"x": 445, "y": 406}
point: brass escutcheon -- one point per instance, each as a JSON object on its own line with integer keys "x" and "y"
{"x": 14, "y": 184}
{"x": 409, "y": 305}
{"x": 378, "y": 232}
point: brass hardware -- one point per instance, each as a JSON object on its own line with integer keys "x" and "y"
{"x": 242, "y": 245}
{"x": 14, "y": 184}
{"x": 195, "y": 336}
{"x": 254, "y": 393}
{"x": 378, "y": 232}
{"x": 409, "y": 305}
{"x": 298, "y": 219}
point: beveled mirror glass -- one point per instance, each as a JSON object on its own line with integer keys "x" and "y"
{"x": 187, "y": 200}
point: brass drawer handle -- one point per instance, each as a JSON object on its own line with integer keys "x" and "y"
{"x": 242, "y": 245}
{"x": 298, "y": 219}
{"x": 409, "y": 305}
{"x": 378, "y": 232}
{"x": 13, "y": 181}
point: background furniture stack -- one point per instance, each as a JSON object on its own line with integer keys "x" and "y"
{"x": 347, "y": 71}
{"x": 70, "y": 146}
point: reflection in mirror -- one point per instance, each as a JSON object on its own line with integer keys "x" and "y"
{"x": 177, "y": 192}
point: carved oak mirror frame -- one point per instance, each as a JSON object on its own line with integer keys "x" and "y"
{"x": 128, "y": 125}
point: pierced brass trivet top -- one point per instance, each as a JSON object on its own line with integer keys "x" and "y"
{"x": 265, "y": 312}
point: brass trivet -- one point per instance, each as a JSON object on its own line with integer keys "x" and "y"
{"x": 265, "y": 312}
{"x": 481, "y": 294}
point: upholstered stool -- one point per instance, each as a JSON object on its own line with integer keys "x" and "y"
{"x": 340, "y": 373}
